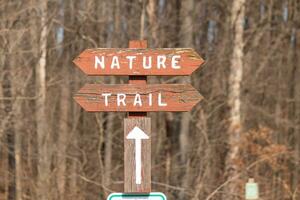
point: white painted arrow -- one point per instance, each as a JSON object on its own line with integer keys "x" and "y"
{"x": 138, "y": 135}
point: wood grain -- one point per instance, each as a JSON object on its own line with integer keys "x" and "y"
{"x": 189, "y": 61}
{"x": 130, "y": 186}
{"x": 178, "y": 97}
{"x": 144, "y": 124}
{"x": 137, "y": 44}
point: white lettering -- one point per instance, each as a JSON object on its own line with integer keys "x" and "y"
{"x": 121, "y": 99}
{"x": 150, "y": 99}
{"x": 131, "y": 58}
{"x": 106, "y": 95}
{"x": 137, "y": 100}
{"x": 99, "y": 62}
{"x": 115, "y": 62}
{"x": 161, "y": 62}
{"x": 175, "y": 60}
{"x": 147, "y": 62}
{"x": 145, "y": 66}
{"x": 160, "y": 103}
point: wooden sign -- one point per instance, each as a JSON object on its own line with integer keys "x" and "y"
{"x": 168, "y": 62}
{"x": 137, "y": 98}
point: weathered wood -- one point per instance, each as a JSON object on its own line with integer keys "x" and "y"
{"x": 137, "y": 98}
{"x": 167, "y": 61}
{"x": 137, "y": 44}
{"x": 130, "y": 185}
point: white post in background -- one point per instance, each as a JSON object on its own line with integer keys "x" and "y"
{"x": 251, "y": 190}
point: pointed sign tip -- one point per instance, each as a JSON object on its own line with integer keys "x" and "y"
{"x": 137, "y": 133}
{"x": 75, "y": 61}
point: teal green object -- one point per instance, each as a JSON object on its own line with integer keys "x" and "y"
{"x": 251, "y": 190}
{"x": 148, "y": 196}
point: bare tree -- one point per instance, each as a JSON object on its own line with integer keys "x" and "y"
{"x": 62, "y": 142}
{"x": 43, "y": 133}
{"x": 234, "y": 100}
{"x": 9, "y": 129}
{"x": 186, "y": 40}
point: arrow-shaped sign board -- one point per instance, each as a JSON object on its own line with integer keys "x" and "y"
{"x": 176, "y": 61}
{"x": 137, "y": 98}
{"x": 148, "y": 196}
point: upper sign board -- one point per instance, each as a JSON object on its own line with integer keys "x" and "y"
{"x": 166, "y": 61}
{"x": 149, "y": 196}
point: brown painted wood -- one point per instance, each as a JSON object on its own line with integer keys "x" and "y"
{"x": 177, "y": 97}
{"x": 137, "y": 44}
{"x": 188, "y": 62}
{"x": 130, "y": 185}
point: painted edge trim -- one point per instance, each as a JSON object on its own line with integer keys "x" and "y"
{"x": 152, "y": 194}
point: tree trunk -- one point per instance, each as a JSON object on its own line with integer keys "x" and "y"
{"x": 9, "y": 130}
{"x": 186, "y": 41}
{"x": 62, "y": 142}
{"x": 43, "y": 136}
{"x": 186, "y": 35}
{"x": 151, "y": 11}
{"x": 142, "y": 21}
{"x": 232, "y": 189}
{"x": 109, "y": 132}
{"x": 64, "y": 132}
{"x": 19, "y": 89}
{"x": 296, "y": 88}
{"x": 18, "y": 156}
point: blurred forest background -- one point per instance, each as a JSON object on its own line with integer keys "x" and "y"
{"x": 247, "y": 126}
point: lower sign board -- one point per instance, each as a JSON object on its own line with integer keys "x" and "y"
{"x": 137, "y": 98}
{"x": 126, "y": 196}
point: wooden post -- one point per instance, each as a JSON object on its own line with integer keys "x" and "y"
{"x": 130, "y": 186}
{"x": 140, "y": 120}
{"x": 137, "y": 79}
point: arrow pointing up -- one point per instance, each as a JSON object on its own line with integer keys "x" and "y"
{"x": 138, "y": 135}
